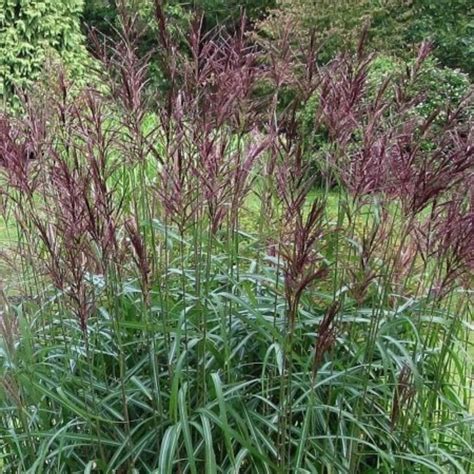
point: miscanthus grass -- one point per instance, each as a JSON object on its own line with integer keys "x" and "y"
{"x": 189, "y": 302}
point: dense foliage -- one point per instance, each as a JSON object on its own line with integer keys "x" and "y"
{"x": 104, "y": 15}
{"x": 31, "y": 31}
{"x": 450, "y": 25}
{"x": 396, "y": 26}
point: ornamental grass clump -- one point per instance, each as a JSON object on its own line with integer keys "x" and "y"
{"x": 194, "y": 300}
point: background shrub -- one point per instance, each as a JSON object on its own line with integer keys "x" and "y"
{"x": 33, "y": 30}
{"x": 396, "y": 26}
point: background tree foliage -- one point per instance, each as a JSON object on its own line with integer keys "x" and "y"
{"x": 33, "y": 30}
{"x": 103, "y": 13}
{"x": 450, "y": 24}
{"x": 105, "y": 16}
{"x": 396, "y": 26}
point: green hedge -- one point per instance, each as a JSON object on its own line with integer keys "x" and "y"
{"x": 31, "y": 31}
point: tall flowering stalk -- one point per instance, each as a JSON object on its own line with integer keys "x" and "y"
{"x": 452, "y": 242}
{"x": 75, "y": 221}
